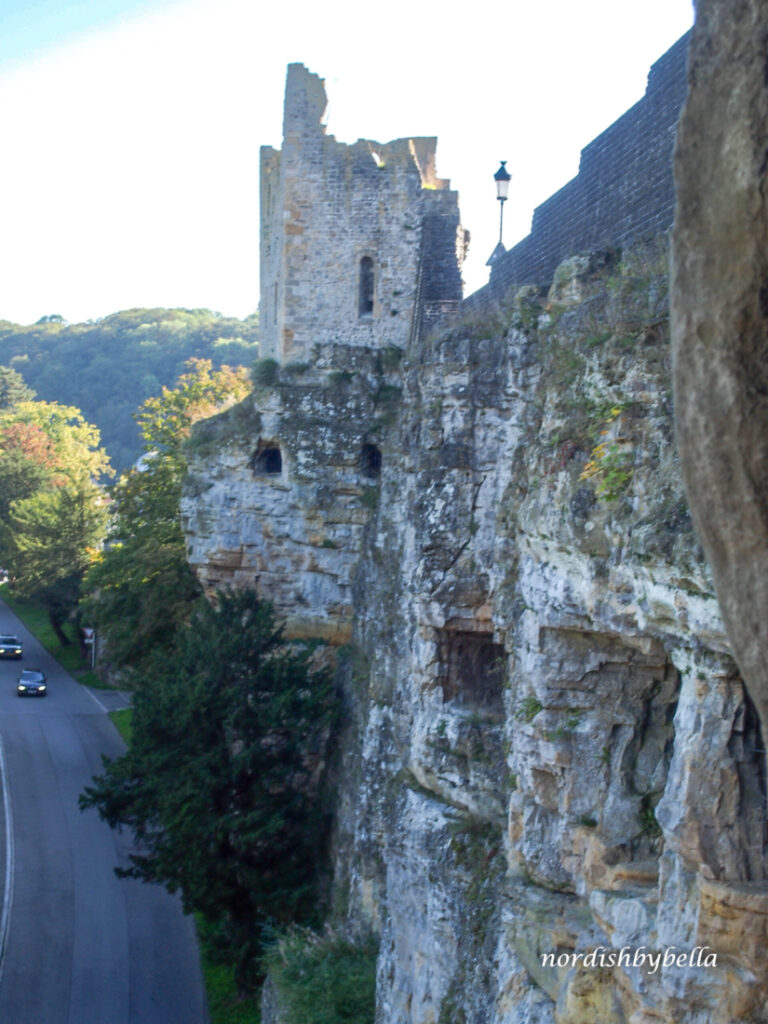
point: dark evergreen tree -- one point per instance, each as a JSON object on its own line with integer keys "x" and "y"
{"x": 223, "y": 782}
{"x": 12, "y": 388}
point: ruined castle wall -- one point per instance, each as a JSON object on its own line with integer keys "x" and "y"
{"x": 624, "y": 189}
{"x": 330, "y": 207}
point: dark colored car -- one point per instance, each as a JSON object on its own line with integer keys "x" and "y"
{"x": 10, "y": 646}
{"x": 31, "y": 684}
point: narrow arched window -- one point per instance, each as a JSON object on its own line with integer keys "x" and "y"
{"x": 365, "y": 290}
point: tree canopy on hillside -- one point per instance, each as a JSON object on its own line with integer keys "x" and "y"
{"x": 109, "y": 367}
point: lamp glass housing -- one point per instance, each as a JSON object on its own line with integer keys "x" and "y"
{"x": 502, "y": 179}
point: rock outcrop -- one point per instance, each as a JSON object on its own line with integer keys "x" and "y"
{"x": 549, "y": 750}
{"x": 720, "y": 316}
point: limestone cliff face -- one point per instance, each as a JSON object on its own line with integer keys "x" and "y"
{"x": 549, "y": 748}
{"x": 720, "y": 314}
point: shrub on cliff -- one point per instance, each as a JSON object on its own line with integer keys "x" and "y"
{"x": 222, "y": 785}
{"x": 324, "y": 979}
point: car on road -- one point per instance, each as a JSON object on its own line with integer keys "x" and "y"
{"x": 10, "y": 646}
{"x": 31, "y": 683}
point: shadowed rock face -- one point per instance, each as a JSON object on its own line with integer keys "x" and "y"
{"x": 719, "y": 307}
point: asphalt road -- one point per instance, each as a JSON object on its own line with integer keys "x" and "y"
{"x": 81, "y": 946}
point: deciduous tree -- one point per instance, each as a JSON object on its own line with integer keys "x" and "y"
{"x": 142, "y": 588}
{"x": 52, "y": 512}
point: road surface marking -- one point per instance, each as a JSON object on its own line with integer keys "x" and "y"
{"x": 8, "y": 884}
{"x": 92, "y": 694}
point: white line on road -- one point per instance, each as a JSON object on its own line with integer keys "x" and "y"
{"x": 5, "y": 918}
{"x": 92, "y": 694}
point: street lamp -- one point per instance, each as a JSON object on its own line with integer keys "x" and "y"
{"x": 502, "y": 178}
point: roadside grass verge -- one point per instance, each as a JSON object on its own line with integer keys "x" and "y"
{"x": 35, "y": 618}
{"x": 224, "y": 1005}
{"x": 123, "y": 721}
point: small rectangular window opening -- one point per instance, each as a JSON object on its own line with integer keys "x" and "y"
{"x": 365, "y": 291}
{"x": 473, "y": 668}
{"x": 370, "y": 461}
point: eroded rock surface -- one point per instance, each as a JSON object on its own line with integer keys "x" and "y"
{"x": 720, "y": 316}
{"x": 549, "y": 749}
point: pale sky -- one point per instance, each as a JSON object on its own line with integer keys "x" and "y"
{"x": 130, "y": 129}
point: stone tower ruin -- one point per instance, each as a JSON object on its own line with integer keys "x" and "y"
{"x": 360, "y": 244}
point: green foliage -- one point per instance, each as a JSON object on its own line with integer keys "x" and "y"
{"x": 611, "y": 463}
{"x": 225, "y": 1004}
{"x": 240, "y": 424}
{"x": 108, "y": 367}
{"x": 387, "y": 395}
{"x": 123, "y": 720}
{"x": 165, "y": 420}
{"x": 49, "y": 539}
{"x": 52, "y": 514}
{"x": 369, "y": 498}
{"x": 324, "y": 979}
{"x": 391, "y": 357}
{"x": 528, "y": 709}
{"x": 296, "y": 368}
{"x": 141, "y": 589}
{"x": 568, "y": 726}
{"x": 12, "y": 388}
{"x": 265, "y": 373}
{"x": 649, "y": 825}
{"x": 611, "y": 466}
{"x": 340, "y": 378}
{"x": 35, "y": 616}
{"x": 220, "y": 786}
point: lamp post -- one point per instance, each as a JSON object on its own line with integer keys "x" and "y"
{"x": 502, "y": 177}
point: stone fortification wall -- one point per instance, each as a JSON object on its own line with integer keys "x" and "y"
{"x": 624, "y": 189}
{"x": 345, "y": 231}
{"x": 548, "y": 749}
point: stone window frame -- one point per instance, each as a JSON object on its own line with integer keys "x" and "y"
{"x": 369, "y": 315}
{"x": 483, "y": 695}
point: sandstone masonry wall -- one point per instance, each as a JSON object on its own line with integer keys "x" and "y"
{"x": 326, "y": 208}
